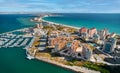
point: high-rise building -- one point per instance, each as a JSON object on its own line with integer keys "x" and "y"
{"x": 83, "y": 30}
{"x": 87, "y": 53}
{"x": 109, "y": 45}
{"x": 92, "y": 31}
{"x": 103, "y": 34}
{"x": 96, "y": 38}
{"x": 84, "y": 33}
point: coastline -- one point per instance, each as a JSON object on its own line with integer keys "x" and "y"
{"x": 64, "y": 24}
{"x": 75, "y": 69}
{"x": 56, "y": 64}
{"x": 59, "y": 24}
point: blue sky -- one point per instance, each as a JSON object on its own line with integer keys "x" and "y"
{"x": 68, "y": 6}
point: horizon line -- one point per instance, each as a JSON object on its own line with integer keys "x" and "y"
{"x": 57, "y": 12}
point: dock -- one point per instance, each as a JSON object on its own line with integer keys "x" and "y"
{"x": 12, "y": 40}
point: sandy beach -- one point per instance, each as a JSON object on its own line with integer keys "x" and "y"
{"x": 59, "y": 24}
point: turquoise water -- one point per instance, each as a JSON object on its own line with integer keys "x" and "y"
{"x": 9, "y": 22}
{"x": 13, "y": 60}
{"x": 99, "y": 21}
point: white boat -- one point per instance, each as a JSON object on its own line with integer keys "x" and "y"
{"x": 29, "y": 57}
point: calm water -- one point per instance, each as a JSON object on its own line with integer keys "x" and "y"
{"x": 10, "y": 22}
{"x": 99, "y": 21}
{"x": 13, "y": 60}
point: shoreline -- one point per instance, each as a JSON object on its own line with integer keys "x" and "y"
{"x": 59, "y": 23}
{"x": 66, "y": 25}
{"x": 75, "y": 69}
{"x": 72, "y": 68}
{"x": 55, "y": 63}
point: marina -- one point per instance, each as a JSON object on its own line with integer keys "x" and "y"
{"x": 14, "y": 59}
{"x": 26, "y": 40}
{"x": 12, "y": 40}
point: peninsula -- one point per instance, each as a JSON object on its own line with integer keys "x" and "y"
{"x": 83, "y": 50}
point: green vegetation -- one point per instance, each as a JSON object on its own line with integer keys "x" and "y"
{"x": 89, "y": 65}
{"x": 96, "y": 67}
{"x": 59, "y": 27}
{"x": 71, "y": 30}
{"x": 70, "y": 64}
{"x": 48, "y": 28}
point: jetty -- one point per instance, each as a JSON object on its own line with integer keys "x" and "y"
{"x": 12, "y": 40}
{"x": 30, "y": 55}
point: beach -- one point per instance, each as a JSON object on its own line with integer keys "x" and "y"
{"x": 98, "y": 21}
{"x": 59, "y": 24}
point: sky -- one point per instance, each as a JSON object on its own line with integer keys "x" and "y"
{"x": 61, "y": 6}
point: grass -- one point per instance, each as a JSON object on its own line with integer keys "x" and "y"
{"x": 96, "y": 67}
{"x": 89, "y": 65}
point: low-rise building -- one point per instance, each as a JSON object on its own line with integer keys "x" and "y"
{"x": 39, "y": 25}
{"x": 59, "y": 43}
{"x": 54, "y": 34}
{"x": 59, "y": 46}
{"x": 37, "y": 32}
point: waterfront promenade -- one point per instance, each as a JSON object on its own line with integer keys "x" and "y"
{"x": 73, "y": 68}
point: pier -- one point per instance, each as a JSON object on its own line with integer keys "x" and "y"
{"x": 12, "y": 40}
{"x": 9, "y": 40}
{"x": 30, "y": 55}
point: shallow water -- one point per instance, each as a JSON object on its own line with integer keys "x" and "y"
{"x": 99, "y": 21}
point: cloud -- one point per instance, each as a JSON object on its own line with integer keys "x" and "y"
{"x": 61, "y": 5}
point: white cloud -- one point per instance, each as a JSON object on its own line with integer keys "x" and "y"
{"x": 62, "y": 5}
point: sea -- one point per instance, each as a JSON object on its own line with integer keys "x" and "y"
{"x": 110, "y": 21}
{"x": 13, "y": 60}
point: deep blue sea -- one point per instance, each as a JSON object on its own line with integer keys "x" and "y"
{"x": 89, "y": 20}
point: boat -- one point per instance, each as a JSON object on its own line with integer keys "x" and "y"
{"x": 29, "y": 57}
